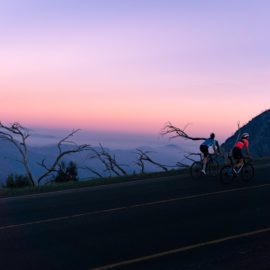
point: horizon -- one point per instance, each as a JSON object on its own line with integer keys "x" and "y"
{"x": 40, "y": 136}
{"x": 129, "y": 67}
{"x": 113, "y": 140}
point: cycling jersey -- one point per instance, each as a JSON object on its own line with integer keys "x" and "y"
{"x": 241, "y": 144}
{"x": 209, "y": 142}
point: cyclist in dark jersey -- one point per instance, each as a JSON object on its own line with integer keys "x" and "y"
{"x": 237, "y": 150}
{"x": 204, "y": 148}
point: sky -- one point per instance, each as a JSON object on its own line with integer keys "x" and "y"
{"x": 132, "y": 65}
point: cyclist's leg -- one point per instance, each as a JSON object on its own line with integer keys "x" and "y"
{"x": 205, "y": 160}
{"x": 204, "y": 150}
{"x": 239, "y": 160}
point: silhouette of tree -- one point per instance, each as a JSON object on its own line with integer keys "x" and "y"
{"x": 143, "y": 156}
{"x": 108, "y": 160}
{"x": 169, "y": 128}
{"x": 73, "y": 148}
{"x": 18, "y": 135}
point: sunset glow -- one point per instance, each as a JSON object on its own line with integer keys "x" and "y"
{"x": 123, "y": 65}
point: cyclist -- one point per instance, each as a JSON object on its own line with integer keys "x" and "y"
{"x": 204, "y": 148}
{"x": 237, "y": 151}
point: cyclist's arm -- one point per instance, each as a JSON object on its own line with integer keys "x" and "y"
{"x": 216, "y": 147}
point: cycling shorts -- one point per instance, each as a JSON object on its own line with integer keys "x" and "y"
{"x": 204, "y": 150}
{"x": 237, "y": 153}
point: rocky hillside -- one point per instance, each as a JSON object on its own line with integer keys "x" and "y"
{"x": 259, "y": 131}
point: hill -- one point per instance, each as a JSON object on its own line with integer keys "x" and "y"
{"x": 259, "y": 131}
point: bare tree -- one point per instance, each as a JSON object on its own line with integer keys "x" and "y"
{"x": 108, "y": 160}
{"x": 191, "y": 157}
{"x": 182, "y": 164}
{"x": 238, "y": 131}
{"x": 143, "y": 156}
{"x": 18, "y": 135}
{"x": 169, "y": 128}
{"x": 74, "y": 148}
{"x": 140, "y": 162}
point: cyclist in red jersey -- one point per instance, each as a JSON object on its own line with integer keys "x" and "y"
{"x": 237, "y": 150}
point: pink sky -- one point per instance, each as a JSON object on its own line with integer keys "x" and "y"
{"x": 132, "y": 67}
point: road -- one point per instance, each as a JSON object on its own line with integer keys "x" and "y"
{"x": 165, "y": 223}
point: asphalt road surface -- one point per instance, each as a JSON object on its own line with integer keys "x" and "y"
{"x": 165, "y": 223}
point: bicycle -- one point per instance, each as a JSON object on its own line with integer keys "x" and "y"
{"x": 228, "y": 173}
{"x": 212, "y": 166}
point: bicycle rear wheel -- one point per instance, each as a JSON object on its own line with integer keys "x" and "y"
{"x": 196, "y": 170}
{"x": 212, "y": 168}
{"x": 247, "y": 172}
{"x": 226, "y": 174}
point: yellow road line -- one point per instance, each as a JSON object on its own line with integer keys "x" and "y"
{"x": 111, "y": 210}
{"x": 49, "y": 220}
{"x": 182, "y": 249}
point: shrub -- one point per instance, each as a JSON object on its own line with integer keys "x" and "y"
{"x": 17, "y": 181}
{"x": 66, "y": 173}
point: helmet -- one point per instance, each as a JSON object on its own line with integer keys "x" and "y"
{"x": 212, "y": 135}
{"x": 245, "y": 136}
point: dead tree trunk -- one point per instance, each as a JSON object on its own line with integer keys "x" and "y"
{"x": 61, "y": 154}
{"x": 18, "y": 135}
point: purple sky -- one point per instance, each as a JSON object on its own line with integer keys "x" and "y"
{"x": 130, "y": 66}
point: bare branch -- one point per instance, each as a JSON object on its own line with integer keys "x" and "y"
{"x": 18, "y": 135}
{"x": 182, "y": 165}
{"x": 188, "y": 157}
{"x": 140, "y": 163}
{"x": 143, "y": 156}
{"x": 169, "y": 129}
{"x": 92, "y": 171}
{"x": 61, "y": 154}
{"x": 238, "y": 131}
{"x": 108, "y": 160}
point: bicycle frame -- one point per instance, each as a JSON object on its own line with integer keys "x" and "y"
{"x": 212, "y": 166}
{"x": 228, "y": 172}
{"x": 245, "y": 160}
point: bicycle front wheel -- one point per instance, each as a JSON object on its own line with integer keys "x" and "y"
{"x": 247, "y": 172}
{"x": 196, "y": 170}
{"x": 226, "y": 174}
{"x": 212, "y": 168}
